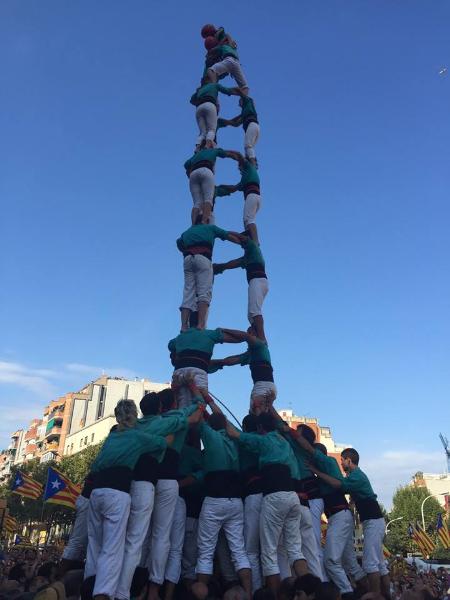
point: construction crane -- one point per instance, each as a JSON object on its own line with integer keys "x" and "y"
{"x": 444, "y": 441}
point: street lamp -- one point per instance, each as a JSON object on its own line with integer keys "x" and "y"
{"x": 389, "y": 522}
{"x": 430, "y": 496}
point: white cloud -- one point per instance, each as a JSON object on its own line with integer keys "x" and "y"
{"x": 34, "y": 380}
{"x": 393, "y": 468}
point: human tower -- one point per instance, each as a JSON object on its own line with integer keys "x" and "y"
{"x": 178, "y": 491}
{"x": 191, "y": 352}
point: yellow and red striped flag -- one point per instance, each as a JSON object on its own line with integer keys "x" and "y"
{"x": 422, "y": 540}
{"x": 24, "y": 485}
{"x": 10, "y": 524}
{"x": 442, "y": 531}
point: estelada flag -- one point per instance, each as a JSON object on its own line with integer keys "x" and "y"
{"x": 386, "y": 552}
{"x": 60, "y": 490}
{"x": 442, "y": 531}
{"x": 10, "y": 524}
{"x": 24, "y": 485}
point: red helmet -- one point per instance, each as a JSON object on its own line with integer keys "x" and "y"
{"x": 208, "y": 30}
{"x": 210, "y": 42}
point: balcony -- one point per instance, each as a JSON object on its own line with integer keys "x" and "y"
{"x": 53, "y": 433}
{"x": 57, "y": 414}
{"x": 51, "y": 447}
{"x": 30, "y": 449}
{"x": 30, "y": 434}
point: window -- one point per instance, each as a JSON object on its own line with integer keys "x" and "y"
{"x": 85, "y": 441}
{"x": 71, "y": 448}
{"x": 92, "y": 437}
{"x": 101, "y": 402}
{"x": 81, "y": 442}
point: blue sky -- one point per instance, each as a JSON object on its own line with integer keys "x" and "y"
{"x": 354, "y": 151}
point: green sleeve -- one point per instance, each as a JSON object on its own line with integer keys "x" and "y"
{"x": 252, "y": 442}
{"x": 220, "y": 123}
{"x": 208, "y": 434}
{"x": 222, "y": 190}
{"x": 180, "y": 244}
{"x": 168, "y": 425}
{"x": 352, "y": 484}
{"x": 220, "y": 152}
{"x": 171, "y": 345}
{"x": 217, "y": 336}
{"x": 224, "y": 90}
{"x": 219, "y": 233}
{"x": 214, "y": 368}
{"x": 245, "y": 358}
{"x": 187, "y": 164}
{"x": 152, "y": 443}
{"x": 193, "y": 99}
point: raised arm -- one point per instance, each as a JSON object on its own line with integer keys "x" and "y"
{"x": 235, "y": 336}
{"x": 235, "y": 155}
{"x": 302, "y": 442}
{"x": 332, "y": 481}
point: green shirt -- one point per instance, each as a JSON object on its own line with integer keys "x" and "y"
{"x": 252, "y": 254}
{"x": 157, "y": 425}
{"x": 357, "y": 484}
{"x": 202, "y": 340}
{"x": 199, "y": 235}
{"x": 257, "y": 352}
{"x": 220, "y": 453}
{"x": 209, "y": 91}
{"x": 301, "y": 457}
{"x": 208, "y": 155}
{"x": 329, "y": 466}
{"x": 191, "y": 462}
{"x": 248, "y": 108}
{"x": 249, "y": 175}
{"x": 123, "y": 449}
{"x": 224, "y": 50}
{"x": 272, "y": 448}
{"x": 181, "y": 413}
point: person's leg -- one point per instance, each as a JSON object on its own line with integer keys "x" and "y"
{"x": 252, "y": 512}
{"x": 309, "y": 544}
{"x": 252, "y": 204}
{"x": 250, "y": 139}
{"x": 189, "y": 292}
{"x": 95, "y": 536}
{"x": 233, "y": 528}
{"x": 210, "y": 521}
{"x": 273, "y": 513}
{"x": 195, "y": 189}
{"x": 189, "y": 559}
{"x": 351, "y": 565}
{"x": 207, "y": 193}
{"x": 173, "y": 566}
{"x": 316, "y": 508}
{"x": 166, "y": 496}
{"x": 257, "y": 291}
{"x": 291, "y": 534}
{"x": 262, "y": 396}
{"x": 115, "y": 509}
{"x": 373, "y": 530}
{"x": 201, "y": 122}
{"x": 224, "y": 561}
{"x": 232, "y": 67}
{"x": 142, "y": 495}
{"x": 78, "y": 540}
{"x": 211, "y": 123}
{"x": 340, "y": 530}
{"x": 203, "y": 284}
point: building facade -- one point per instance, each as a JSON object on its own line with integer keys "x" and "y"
{"x": 437, "y": 484}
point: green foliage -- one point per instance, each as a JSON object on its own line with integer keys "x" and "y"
{"x": 27, "y": 511}
{"x": 407, "y": 503}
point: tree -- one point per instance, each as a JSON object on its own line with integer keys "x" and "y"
{"x": 407, "y": 503}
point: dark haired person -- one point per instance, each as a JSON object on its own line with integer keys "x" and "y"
{"x": 142, "y": 491}
{"x": 357, "y": 484}
{"x": 109, "y": 504}
{"x": 280, "y": 513}
{"x": 258, "y": 284}
{"x": 222, "y": 507}
{"x": 339, "y": 553}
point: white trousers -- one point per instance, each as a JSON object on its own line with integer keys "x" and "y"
{"x": 166, "y": 497}
{"x": 218, "y": 513}
{"x": 257, "y": 291}
{"x": 339, "y": 549}
{"x": 173, "y": 565}
{"x": 233, "y": 67}
{"x": 309, "y": 543}
{"x": 265, "y": 391}
{"x": 189, "y": 559}
{"x": 206, "y": 115}
{"x": 316, "y": 508}
{"x": 252, "y": 512}
{"x": 78, "y": 540}
{"x": 223, "y": 556}
{"x": 373, "y": 559}
{"x": 107, "y": 524}
{"x": 252, "y": 204}
{"x": 250, "y": 139}
{"x": 280, "y": 516}
{"x": 202, "y": 185}
{"x": 198, "y": 281}
{"x": 142, "y": 494}
{"x": 185, "y": 396}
